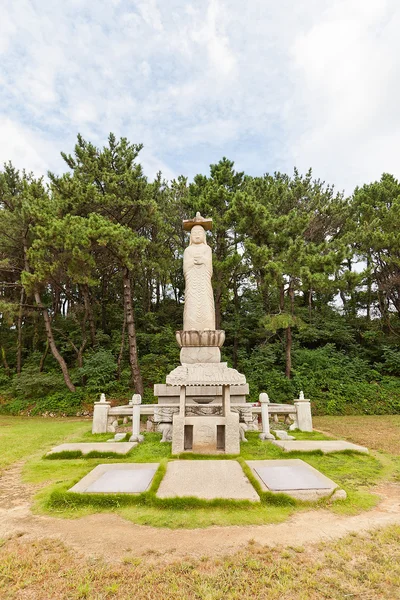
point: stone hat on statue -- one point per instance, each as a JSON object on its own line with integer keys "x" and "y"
{"x": 197, "y": 220}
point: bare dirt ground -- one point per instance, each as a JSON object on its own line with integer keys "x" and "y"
{"x": 111, "y": 537}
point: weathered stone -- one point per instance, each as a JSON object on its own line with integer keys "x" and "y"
{"x": 194, "y": 355}
{"x": 136, "y": 402}
{"x": 293, "y": 477}
{"x": 166, "y": 430}
{"x": 136, "y": 438}
{"x": 117, "y": 478}
{"x": 178, "y": 434}
{"x": 164, "y": 414}
{"x": 199, "y": 310}
{"x": 325, "y": 446}
{"x": 100, "y": 415}
{"x": 87, "y": 447}
{"x": 200, "y": 338}
{"x": 205, "y": 374}
{"x": 283, "y": 435}
{"x": 207, "y": 479}
{"x": 264, "y": 401}
{"x": 338, "y": 495}
{"x": 118, "y": 437}
{"x": 303, "y": 413}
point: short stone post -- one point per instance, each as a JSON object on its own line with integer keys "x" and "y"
{"x": 303, "y": 413}
{"x": 266, "y": 434}
{"x": 100, "y": 415}
{"x": 135, "y": 403}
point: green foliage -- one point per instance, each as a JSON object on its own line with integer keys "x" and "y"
{"x": 92, "y": 289}
{"x": 341, "y": 384}
{"x": 32, "y": 384}
{"x": 99, "y": 370}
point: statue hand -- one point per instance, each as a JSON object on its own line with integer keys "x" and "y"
{"x": 197, "y": 260}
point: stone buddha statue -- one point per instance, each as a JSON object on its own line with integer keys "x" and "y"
{"x": 199, "y": 310}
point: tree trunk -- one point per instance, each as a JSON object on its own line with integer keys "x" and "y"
{"x": 89, "y": 313}
{"x": 130, "y": 324}
{"x": 5, "y": 363}
{"x": 121, "y": 350}
{"x": 104, "y": 304}
{"x": 288, "y": 348}
{"x": 43, "y": 357}
{"x": 19, "y": 330}
{"x": 288, "y": 352}
{"x": 369, "y": 289}
{"x": 236, "y": 320}
{"x": 52, "y": 344}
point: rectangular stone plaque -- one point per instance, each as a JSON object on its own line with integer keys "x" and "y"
{"x": 291, "y": 477}
{"x": 121, "y": 481}
{"x": 123, "y": 478}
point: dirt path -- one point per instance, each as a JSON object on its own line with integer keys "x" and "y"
{"x": 112, "y": 537}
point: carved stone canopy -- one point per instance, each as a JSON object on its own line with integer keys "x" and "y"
{"x": 197, "y": 220}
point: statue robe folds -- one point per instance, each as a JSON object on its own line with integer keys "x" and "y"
{"x": 199, "y": 311}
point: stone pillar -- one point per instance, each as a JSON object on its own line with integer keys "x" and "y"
{"x": 182, "y": 401}
{"x": 232, "y": 434}
{"x": 266, "y": 434}
{"x": 135, "y": 403}
{"x": 226, "y": 400}
{"x": 178, "y": 434}
{"x": 303, "y": 413}
{"x": 100, "y": 415}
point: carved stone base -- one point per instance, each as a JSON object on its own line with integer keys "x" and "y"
{"x": 205, "y": 374}
{"x": 200, "y": 354}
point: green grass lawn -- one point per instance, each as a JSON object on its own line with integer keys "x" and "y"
{"x": 30, "y": 438}
{"x": 23, "y": 437}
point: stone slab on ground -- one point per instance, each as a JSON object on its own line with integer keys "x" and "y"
{"x": 206, "y": 479}
{"x": 325, "y": 446}
{"x": 86, "y": 447}
{"x": 119, "y": 478}
{"x": 293, "y": 477}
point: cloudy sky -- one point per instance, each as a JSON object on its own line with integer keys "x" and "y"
{"x": 268, "y": 84}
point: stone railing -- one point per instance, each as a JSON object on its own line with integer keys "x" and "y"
{"x": 105, "y": 417}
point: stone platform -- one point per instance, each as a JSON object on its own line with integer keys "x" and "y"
{"x": 87, "y": 447}
{"x": 120, "y": 478}
{"x": 293, "y": 477}
{"x": 206, "y": 479}
{"x": 325, "y": 446}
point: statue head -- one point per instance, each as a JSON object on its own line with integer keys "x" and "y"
{"x": 197, "y": 235}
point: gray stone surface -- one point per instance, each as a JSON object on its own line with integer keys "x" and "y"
{"x": 206, "y": 479}
{"x": 124, "y": 478}
{"x": 283, "y": 435}
{"x": 86, "y": 447}
{"x": 100, "y": 415}
{"x": 293, "y": 477}
{"x": 118, "y": 437}
{"x": 323, "y": 445}
{"x": 303, "y": 414}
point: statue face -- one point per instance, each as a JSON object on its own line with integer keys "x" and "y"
{"x": 197, "y": 235}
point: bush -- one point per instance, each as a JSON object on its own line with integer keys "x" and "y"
{"x": 32, "y": 384}
{"x": 99, "y": 370}
{"x": 65, "y": 403}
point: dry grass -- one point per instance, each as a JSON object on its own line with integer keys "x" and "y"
{"x": 376, "y": 432}
{"x": 359, "y": 567}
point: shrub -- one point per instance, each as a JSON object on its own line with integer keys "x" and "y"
{"x": 32, "y": 384}
{"x": 99, "y": 369}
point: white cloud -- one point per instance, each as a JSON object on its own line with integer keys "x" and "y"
{"x": 347, "y": 67}
{"x": 267, "y": 84}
